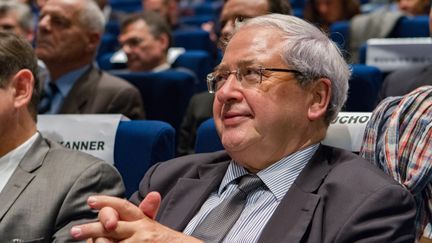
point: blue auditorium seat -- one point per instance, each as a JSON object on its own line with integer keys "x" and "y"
{"x": 214, "y": 8}
{"x": 299, "y": 4}
{"x": 207, "y": 139}
{"x": 193, "y": 39}
{"x": 138, "y": 146}
{"x": 197, "y": 20}
{"x": 339, "y": 33}
{"x": 200, "y": 62}
{"x": 415, "y": 26}
{"x": 165, "y": 94}
{"x": 128, "y": 6}
{"x": 108, "y": 44}
{"x": 364, "y": 86}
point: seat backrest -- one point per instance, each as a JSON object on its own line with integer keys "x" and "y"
{"x": 346, "y": 132}
{"x": 207, "y": 139}
{"x": 412, "y": 26}
{"x": 128, "y": 6}
{"x": 165, "y": 94}
{"x": 200, "y": 62}
{"x": 339, "y": 33}
{"x": 138, "y": 146}
{"x": 364, "y": 85}
{"x": 193, "y": 39}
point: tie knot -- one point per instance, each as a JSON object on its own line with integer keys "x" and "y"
{"x": 249, "y": 182}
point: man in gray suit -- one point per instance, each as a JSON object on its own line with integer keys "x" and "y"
{"x": 68, "y": 36}
{"x": 279, "y": 85}
{"x": 43, "y": 186}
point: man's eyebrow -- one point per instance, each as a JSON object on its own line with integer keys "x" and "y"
{"x": 241, "y": 63}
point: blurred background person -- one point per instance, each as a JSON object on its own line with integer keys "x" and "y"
{"x": 68, "y": 36}
{"x": 17, "y": 17}
{"x": 145, "y": 39}
{"x": 324, "y": 13}
{"x": 414, "y": 7}
{"x": 168, "y": 9}
{"x": 403, "y": 81}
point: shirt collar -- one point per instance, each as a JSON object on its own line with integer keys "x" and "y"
{"x": 279, "y": 176}
{"x": 162, "y": 67}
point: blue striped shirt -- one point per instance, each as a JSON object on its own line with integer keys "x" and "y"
{"x": 261, "y": 203}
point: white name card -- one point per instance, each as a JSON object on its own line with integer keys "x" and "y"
{"x": 390, "y": 54}
{"x": 347, "y": 130}
{"x": 93, "y": 134}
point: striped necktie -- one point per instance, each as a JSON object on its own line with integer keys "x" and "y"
{"x": 220, "y": 220}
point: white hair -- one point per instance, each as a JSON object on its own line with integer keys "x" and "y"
{"x": 310, "y": 51}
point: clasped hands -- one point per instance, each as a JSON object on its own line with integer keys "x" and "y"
{"x": 121, "y": 221}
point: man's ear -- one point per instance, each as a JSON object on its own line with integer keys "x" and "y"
{"x": 164, "y": 41}
{"x": 94, "y": 39}
{"x": 23, "y": 85}
{"x": 320, "y": 91}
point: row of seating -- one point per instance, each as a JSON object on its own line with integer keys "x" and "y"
{"x": 166, "y": 94}
{"x": 140, "y": 144}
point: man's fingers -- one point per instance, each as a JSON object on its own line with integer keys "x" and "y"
{"x": 125, "y": 209}
{"x": 87, "y": 231}
{"x": 103, "y": 240}
{"x": 150, "y": 205}
{"x": 97, "y": 231}
{"x": 109, "y": 218}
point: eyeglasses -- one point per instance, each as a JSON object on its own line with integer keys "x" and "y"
{"x": 247, "y": 76}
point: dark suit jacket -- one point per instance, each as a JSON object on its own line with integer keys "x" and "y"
{"x": 402, "y": 82}
{"x": 47, "y": 193}
{"x": 338, "y": 197}
{"x": 200, "y": 108}
{"x": 99, "y": 92}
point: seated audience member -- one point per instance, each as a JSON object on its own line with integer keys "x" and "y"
{"x": 200, "y": 105}
{"x": 43, "y": 186}
{"x": 414, "y": 7}
{"x": 380, "y": 23}
{"x": 401, "y": 82}
{"x": 145, "y": 39}
{"x": 17, "y": 18}
{"x": 168, "y": 9}
{"x": 323, "y": 13}
{"x": 68, "y": 36}
{"x": 398, "y": 139}
{"x": 279, "y": 85}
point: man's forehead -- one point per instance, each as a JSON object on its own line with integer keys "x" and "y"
{"x": 65, "y": 7}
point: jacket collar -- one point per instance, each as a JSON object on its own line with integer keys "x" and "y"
{"x": 23, "y": 175}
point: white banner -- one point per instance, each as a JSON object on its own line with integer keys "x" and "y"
{"x": 347, "y": 130}
{"x": 93, "y": 134}
{"x": 390, "y": 54}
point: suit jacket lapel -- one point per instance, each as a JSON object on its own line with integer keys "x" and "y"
{"x": 23, "y": 175}
{"x": 198, "y": 190}
{"x": 295, "y": 212}
{"x": 82, "y": 92}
